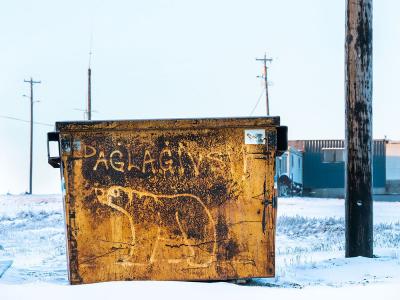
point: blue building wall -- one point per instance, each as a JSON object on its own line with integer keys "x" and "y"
{"x": 320, "y": 175}
{"x": 317, "y": 174}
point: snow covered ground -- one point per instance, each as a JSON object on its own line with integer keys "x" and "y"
{"x": 309, "y": 257}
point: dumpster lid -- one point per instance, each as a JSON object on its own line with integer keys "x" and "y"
{"x": 161, "y": 124}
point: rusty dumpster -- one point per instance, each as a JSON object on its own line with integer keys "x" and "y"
{"x": 182, "y": 199}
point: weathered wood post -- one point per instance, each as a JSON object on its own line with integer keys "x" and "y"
{"x": 358, "y": 142}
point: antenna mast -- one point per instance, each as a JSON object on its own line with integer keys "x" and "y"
{"x": 89, "y": 97}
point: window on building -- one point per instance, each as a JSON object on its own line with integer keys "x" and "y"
{"x": 283, "y": 164}
{"x": 332, "y": 155}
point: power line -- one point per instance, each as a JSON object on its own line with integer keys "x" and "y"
{"x": 25, "y": 121}
{"x": 258, "y": 101}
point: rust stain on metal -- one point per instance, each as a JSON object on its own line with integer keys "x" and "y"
{"x": 169, "y": 200}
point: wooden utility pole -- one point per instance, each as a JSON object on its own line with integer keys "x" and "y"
{"x": 264, "y": 76}
{"x": 32, "y": 82}
{"x": 358, "y": 142}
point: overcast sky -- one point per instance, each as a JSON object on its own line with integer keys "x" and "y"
{"x": 174, "y": 59}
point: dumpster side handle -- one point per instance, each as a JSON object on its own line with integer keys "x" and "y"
{"x": 54, "y": 161}
{"x": 282, "y": 139}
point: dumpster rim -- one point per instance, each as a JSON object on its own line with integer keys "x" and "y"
{"x": 169, "y": 124}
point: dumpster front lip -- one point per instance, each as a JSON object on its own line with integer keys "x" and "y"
{"x": 161, "y": 124}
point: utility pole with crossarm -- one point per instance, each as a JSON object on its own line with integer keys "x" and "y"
{"x": 264, "y": 76}
{"x": 31, "y": 82}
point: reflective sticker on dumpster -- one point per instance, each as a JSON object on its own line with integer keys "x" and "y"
{"x": 254, "y": 136}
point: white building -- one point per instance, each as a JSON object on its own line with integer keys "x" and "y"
{"x": 393, "y": 167}
{"x": 289, "y": 172}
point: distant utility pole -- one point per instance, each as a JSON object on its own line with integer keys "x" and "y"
{"x": 264, "y": 76}
{"x": 89, "y": 98}
{"x": 89, "y": 101}
{"x": 32, "y": 82}
{"x": 358, "y": 142}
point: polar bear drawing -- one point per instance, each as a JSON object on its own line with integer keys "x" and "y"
{"x": 181, "y": 222}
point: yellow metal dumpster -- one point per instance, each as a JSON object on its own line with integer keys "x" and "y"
{"x": 183, "y": 199}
